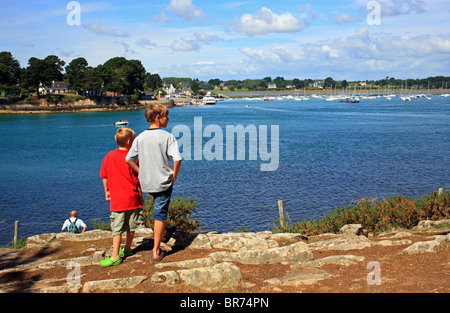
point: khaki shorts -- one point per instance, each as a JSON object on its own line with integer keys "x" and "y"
{"x": 126, "y": 221}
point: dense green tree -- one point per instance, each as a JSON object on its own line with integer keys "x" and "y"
{"x": 214, "y": 82}
{"x": 194, "y": 86}
{"x": 297, "y": 83}
{"x": 329, "y": 82}
{"x": 75, "y": 73}
{"x": 43, "y": 72}
{"x": 152, "y": 81}
{"x": 9, "y": 69}
{"x": 280, "y": 82}
{"x": 92, "y": 80}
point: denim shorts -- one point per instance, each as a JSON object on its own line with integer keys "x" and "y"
{"x": 161, "y": 204}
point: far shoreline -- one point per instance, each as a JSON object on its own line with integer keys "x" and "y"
{"x": 91, "y": 106}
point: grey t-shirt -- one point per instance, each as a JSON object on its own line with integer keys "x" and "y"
{"x": 154, "y": 147}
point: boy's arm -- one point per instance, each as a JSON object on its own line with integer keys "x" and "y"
{"x": 176, "y": 170}
{"x": 133, "y": 166}
{"x": 141, "y": 193}
{"x": 105, "y": 186}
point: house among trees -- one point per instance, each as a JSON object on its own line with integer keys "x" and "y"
{"x": 55, "y": 87}
{"x": 317, "y": 84}
{"x": 187, "y": 91}
{"x": 147, "y": 95}
{"x": 170, "y": 89}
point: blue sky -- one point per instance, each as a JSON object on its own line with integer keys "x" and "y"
{"x": 343, "y": 39}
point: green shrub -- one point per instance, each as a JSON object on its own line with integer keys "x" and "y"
{"x": 180, "y": 211}
{"x": 98, "y": 224}
{"x": 395, "y": 212}
{"x": 21, "y": 243}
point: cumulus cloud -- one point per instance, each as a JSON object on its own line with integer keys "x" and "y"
{"x": 310, "y": 13}
{"x": 265, "y": 21}
{"x": 145, "y": 43}
{"x": 207, "y": 38}
{"x": 104, "y": 30}
{"x": 344, "y": 18}
{"x": 274, "y": 55}
{"x": 161, "y": 17}
{"x": 185, "y": 44}
{"x": 193, "y": 43}
{"x": 185, "y": 10}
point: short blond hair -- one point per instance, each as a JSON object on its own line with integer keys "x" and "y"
{"x": 124, "y": 134}
{"x": 154, "y": 110}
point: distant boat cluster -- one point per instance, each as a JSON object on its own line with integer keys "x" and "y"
{"x": 349, "y": 98}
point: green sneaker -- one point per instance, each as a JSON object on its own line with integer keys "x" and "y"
{"x": 125, "y": 253}
{"x": 108, "y": 262}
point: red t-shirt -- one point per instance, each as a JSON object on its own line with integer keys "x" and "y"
{"x": 122, "y": 182}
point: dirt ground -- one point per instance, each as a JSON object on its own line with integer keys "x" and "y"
{"x": 418, "y": 273}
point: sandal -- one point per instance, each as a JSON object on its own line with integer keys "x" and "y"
{"x": 125, "y": 253}
{"x": 162, "y": 255}
{"x": 108, "y": 262}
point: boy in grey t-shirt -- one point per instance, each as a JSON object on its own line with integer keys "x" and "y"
{"x": 154, "y": 147}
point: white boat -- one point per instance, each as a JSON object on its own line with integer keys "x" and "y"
{"x": 121, "y": 123}
{"x": 208, "y": 100}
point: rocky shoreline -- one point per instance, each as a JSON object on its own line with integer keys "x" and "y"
{"x": 88, "y": 105}
{"x": 238, "y": 262}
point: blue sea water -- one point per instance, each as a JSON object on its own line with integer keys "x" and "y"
{"x": 330, "y": 154}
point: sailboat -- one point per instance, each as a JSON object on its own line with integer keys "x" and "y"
{"x": 404, "y": 97}
{"x": 428, "y": 96}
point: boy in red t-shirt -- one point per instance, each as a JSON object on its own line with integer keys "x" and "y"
{"x": 123, "y": 191}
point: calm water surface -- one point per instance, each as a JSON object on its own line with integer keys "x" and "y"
{"x": 330, "y": 154}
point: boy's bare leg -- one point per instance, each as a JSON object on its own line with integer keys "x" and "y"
{"x": 116, "y": 245}
{"x": 129, "y": 242}
{"x": 158, "y": 233}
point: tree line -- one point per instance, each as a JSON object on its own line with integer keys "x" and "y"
{"x": 118, "y": 75}
{"x": 129, "y": 77}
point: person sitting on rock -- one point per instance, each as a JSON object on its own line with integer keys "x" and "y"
{"x": 74, "y": 224}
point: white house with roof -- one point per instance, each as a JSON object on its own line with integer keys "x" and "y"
{"x": 55, "y": 87}
{"x": 170, "y": 89}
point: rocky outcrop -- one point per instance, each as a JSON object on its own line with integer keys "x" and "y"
{"x": 222, "y": 275}
{"x": 220, "y": 268}
{"x": 427, "y": 246}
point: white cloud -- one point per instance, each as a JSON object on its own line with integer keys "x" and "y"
{"x": 331, "y": 53}
{"x": 104, "y": 30}
{"x": 344, "y": 18}
{"x": 310, "y": 13}
{"x": 207, "y": 38}
{"x": 161, "y": 17}
{"x": 185, "y": 44}
{"x": 274, "y": 55}
{"x": 258, "y": 55}
{"x": 185, "y": 10}
{"x": 285, "y": 55}
{"x": 205, "y": 63}
{"x": 265, "y": 21}
{"x": 145, "y": 43}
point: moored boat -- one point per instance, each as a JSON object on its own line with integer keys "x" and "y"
{"x": 208, "y": 100}
{"x": 121, "y": 123}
